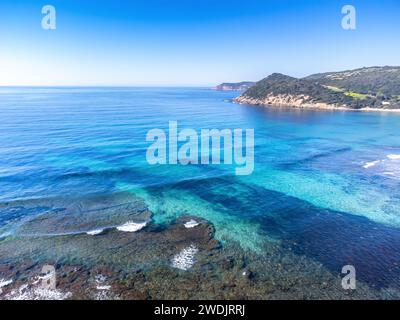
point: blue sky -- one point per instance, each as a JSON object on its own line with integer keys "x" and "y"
{"x": 190, "y": 43}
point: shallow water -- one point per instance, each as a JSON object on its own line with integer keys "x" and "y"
{"x": 325, "y": 185}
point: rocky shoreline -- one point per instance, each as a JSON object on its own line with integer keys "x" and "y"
{"x": 302, "y": 102}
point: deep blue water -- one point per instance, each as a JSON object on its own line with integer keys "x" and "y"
{"x": 326, "y": 184}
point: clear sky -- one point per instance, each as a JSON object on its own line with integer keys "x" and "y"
{"x": 190, "y": 42}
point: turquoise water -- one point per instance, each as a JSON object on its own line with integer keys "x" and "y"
{"x": 325, "y": 184}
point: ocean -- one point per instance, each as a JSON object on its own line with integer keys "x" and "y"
{"x": 325, "y": 191}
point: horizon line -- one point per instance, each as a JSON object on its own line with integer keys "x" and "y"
{"x": 181, "y": 85}
{"x": 107, "y": 86}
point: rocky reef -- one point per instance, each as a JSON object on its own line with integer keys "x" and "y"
{"x": 108, "y": 248}
{"x": 181, "y": 260}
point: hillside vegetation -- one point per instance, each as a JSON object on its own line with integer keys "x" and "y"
{"x": 376, "y": 87}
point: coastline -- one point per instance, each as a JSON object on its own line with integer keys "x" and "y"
{"x": 300, "y": 102}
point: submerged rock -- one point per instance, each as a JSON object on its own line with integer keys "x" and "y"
{"x": 101, "y": 259}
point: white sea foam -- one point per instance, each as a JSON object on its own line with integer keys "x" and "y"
{"x": 191, "y": 224}
{"x": 105, "y": 295}
{"x": 101, "y": 282}
{"x": 4, "y": 283}
{"x": 394, "y": 156}
{"x": 184, "y": 260}
{"x": 392, "y": 174}
{"x": 371, "y": 164}
{"x": 104, "y": 287}
{"x": 27, "y": 292}
{"x": 6, "y": 234}
{"x": 374, "y": 163}
{"x": 94, "y": 232}
{"x": 100, "y": 278}
{"x": 131, "y": 226}
{"x": 103, "y": 290}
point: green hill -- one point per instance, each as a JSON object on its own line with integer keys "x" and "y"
{"x": 374, "y": 80}
{"x": 376, "y": 87}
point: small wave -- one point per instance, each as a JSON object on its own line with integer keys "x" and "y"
{"x": 5, "y": 234}
{"x": 60, "y": 234}
{"x": 393, "y": 156}
{"x": 371, "y": 164}
{"x": 184, "y": 260}
{"x": 5, "y": 283}
{"x": 95, "y": 232}
{"x": 91, "y": 215}
{"x": 191, "y": 224}
{"x": 131, "y": 226}
{"x": 313, "y": 157}
{"x": 388, "y": 173}
{"x": 388, "y": 167}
